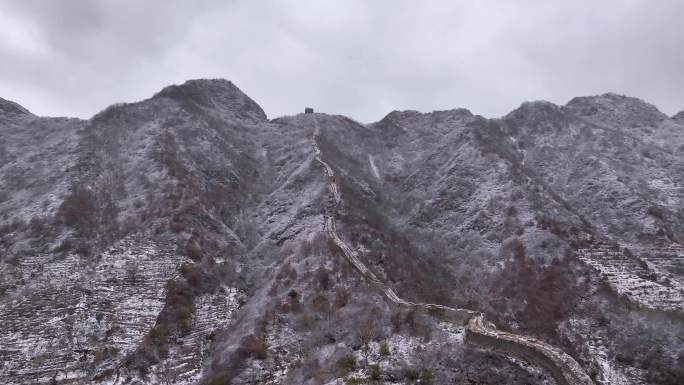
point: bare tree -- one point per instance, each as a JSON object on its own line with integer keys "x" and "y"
{"x": 367, "y": 331}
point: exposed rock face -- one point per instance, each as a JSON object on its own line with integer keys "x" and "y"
{"x": 188, "y": 239}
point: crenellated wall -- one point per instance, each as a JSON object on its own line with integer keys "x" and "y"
{"x": 565, "y": 369}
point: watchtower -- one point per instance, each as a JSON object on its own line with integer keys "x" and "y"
{"x": 308, "y": 110}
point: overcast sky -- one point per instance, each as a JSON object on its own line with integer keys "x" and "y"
{"x": 358, "y": 58}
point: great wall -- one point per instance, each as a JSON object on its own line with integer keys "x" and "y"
{"x": 478, "y": 332}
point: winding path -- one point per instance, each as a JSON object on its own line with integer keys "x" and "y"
{"x": 479, "y": 332}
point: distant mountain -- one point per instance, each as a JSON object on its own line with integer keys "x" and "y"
{"x": 186, "y": 239}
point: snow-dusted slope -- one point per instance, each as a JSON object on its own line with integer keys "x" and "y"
{"x": 184, "y": 239}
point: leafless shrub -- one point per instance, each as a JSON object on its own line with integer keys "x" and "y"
{"x": 79, "y": 209}
{"x": 92, "y": 213}
{"x": 396, "y": 322}
{"x": 284, "y": 307}
{"x": 341, "y": 297}
{"x": 254, "y": 347}
{"x": 320, "y": 304}
{"x": 195, "y": 278}
{"x": 293, "y": 301}
{"x": 176, "y": 226}
{"x": 322, "y": 277}
{"x": 219, "y": 378}
{"x": 178, "y": 309}
{"x": 511, "y": 211}
{"x": 167, "y": 155}
{"x": 410, "y": 320}
{"x": 536, "y": 296}
{"x": 38, "y": 226}
{"x": 514, "y": 248}
{"x": 367, "y": 331}
{"x": 193, "y": 249}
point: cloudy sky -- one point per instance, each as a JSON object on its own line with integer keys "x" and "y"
{"x": 358, "y": 58}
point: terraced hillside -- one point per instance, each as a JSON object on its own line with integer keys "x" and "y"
{"x": 643, "y": 278}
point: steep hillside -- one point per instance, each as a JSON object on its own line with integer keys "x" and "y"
{"x": 187, "y": 239}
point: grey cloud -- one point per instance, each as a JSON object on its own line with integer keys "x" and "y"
{"x": 358, "y": 58}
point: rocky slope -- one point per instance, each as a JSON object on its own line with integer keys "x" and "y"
{"x": 183, "y": 239}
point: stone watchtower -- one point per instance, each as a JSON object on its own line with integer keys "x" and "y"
{"x": 308, "y": 110}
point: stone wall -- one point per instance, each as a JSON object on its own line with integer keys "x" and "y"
{"x": 479, "y": 333}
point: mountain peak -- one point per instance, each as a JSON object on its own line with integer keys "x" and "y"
{"x": 218, "y": 94}
{"x": 615, "y": 107}
{"x": 201, "y": 84}
{"x": 536, "y": 114}
{"x": 400, "y": 114}
{"x": 535, "y": 107}
{"x": 10, "y": 107}
{"x": 678, "y": 116}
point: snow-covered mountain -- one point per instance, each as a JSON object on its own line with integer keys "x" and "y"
{"x": 189, "y": 239}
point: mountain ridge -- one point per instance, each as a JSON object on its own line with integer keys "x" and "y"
{"x": 208, "y": 91}
{"x": 182, "y": 239}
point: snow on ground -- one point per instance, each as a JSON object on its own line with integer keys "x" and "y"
{"x": 405, "y": 351}
{"x": 374, "y": 168}
{"x": 610, "y": 371}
